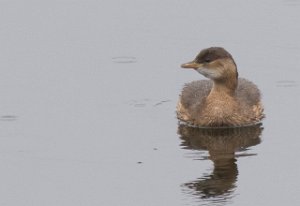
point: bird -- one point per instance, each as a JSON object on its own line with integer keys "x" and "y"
{"x": 222, "y": 100}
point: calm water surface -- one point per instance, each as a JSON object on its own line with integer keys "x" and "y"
{"x": 88, "y": 91}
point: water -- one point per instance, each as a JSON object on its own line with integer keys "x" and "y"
{"x": 88, "y": 94}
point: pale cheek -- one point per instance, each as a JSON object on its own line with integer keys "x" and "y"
{"x": 209, "y": 73}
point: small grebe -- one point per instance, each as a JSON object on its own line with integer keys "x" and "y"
{"x": 226, "y": 101}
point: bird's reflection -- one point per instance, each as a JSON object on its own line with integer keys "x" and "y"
{"x": 223, "y": 146}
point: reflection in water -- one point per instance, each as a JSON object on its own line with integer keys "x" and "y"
{"x": 222, "y": 144}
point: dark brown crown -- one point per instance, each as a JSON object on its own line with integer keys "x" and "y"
{"x": 211, "y": 54}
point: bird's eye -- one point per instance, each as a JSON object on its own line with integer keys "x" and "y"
{"x": 207, "y": 60}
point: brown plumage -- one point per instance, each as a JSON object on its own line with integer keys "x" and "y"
{"x": 223, "y": 101}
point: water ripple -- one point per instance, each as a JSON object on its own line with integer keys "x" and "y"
{"x": 147, "y": 102}
{"x": 286, "y": 83}
{"x": 124, "y": 60}
{"x": 8, "y": 118}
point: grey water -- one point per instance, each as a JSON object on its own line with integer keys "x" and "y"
{"x": 88, "y": 93}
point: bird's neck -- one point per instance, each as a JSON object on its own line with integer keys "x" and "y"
{"x": 227, "y": 84}
{"x": 224, "y": 88}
